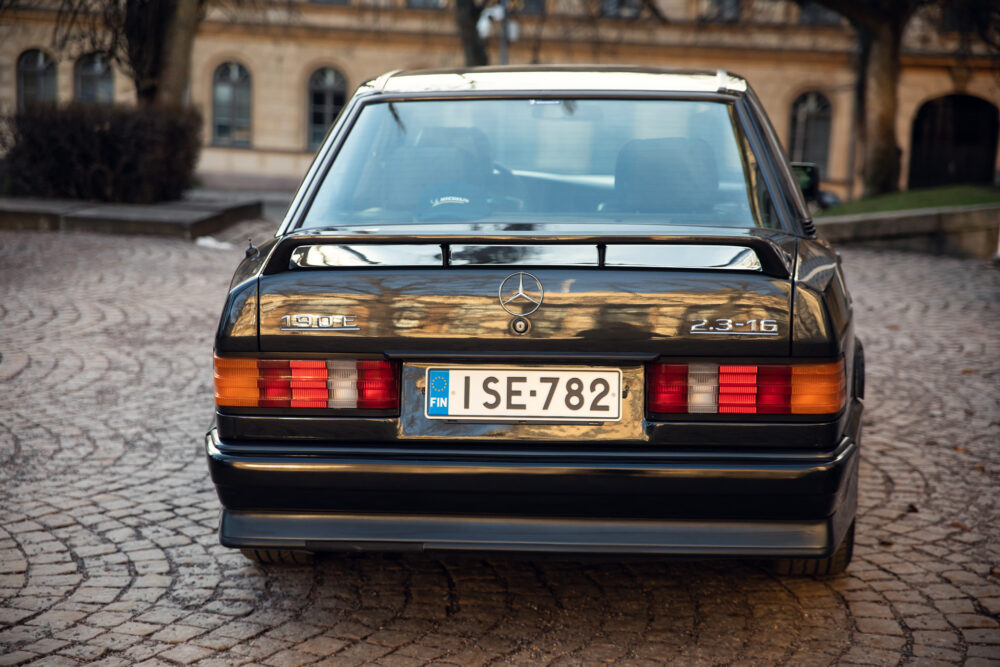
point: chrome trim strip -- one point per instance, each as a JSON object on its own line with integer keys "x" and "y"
{"x": 328, "y": 255}
{"x": 668, "y": 256}
{"x": 485, "y": 254}
{"x": 725, "y": 257}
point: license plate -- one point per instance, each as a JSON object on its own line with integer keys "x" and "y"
{"x": 538, "y": 394}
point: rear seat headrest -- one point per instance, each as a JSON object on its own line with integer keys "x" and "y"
{"x": 413, "y": 170}
{"x": 667, "y": 175}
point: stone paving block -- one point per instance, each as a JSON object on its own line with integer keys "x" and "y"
{"x": 55, "y": 661}
{"x": 176, "y": 633}
{"x": 107, "y": 619}
{"x": 10, "y": 616}
{"x": 321, "y": 645}
{"x": 46, "y": 646}
{"x": 186, "y": 655}
{"x": 895, "y": 642}
{"x": 396, "y": 660}
{"x": 17, "y": 657}
{"x": 983, "y": 651}
{"x": 982, "y": 636}
{"x": 289, "y": 658}
{"x": 879, "y": 626}
{"x": 83, "y": 652}
{"x": 138, "y": 629}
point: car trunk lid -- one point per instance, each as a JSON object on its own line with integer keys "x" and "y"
{"x": 453, "y": 292}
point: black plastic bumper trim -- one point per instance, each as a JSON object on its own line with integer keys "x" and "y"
{"x": 355, "y": 532}
{"x": 425, "y": 451}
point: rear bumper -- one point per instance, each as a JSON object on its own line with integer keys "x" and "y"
{"x": 340, "y": 532}
{"x": 363, "y": 498}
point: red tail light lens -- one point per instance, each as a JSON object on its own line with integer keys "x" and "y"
{"x": 667, "y": 387}
{"x": 308, "y": 383}
{"x": 737, "y": 389}
{"x": 377, "y": 387}
{"x": 364, "y": 384}
{"x": 274, "y": 384}
{"x": 772, "y": 389}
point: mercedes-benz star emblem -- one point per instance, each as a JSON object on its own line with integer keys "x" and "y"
{"x": 521, "y": 294}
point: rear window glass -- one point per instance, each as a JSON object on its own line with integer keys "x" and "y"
{"x": 541, "y": 160}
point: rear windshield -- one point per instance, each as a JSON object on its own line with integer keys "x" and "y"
{"x": 543, "y": 160}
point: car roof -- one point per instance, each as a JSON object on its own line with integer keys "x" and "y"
{"x": 557, "y": 78}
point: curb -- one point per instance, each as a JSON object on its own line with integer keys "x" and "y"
{"x": 180, "y": 219}
{"x": 951, "y": 230}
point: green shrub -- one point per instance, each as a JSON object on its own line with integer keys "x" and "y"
{"x": 101, "y": 152}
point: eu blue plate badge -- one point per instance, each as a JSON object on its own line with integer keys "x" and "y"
{"x": 437, "y": 392}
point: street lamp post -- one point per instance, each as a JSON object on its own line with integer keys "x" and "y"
{"x": 504, "y": 35}
{"x": 499, "y": 13}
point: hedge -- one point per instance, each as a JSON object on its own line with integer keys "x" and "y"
{"x": 100, "y": 152}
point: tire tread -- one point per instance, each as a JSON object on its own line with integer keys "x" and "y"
{"x": 819, "y": 567}
{"x": 278, "y": 556}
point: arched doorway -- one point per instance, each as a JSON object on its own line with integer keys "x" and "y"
{"x": 954, "y": 141}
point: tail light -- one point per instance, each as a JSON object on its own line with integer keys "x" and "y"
{"x": 763, "y": 389}
{"x": 363, "y": 384}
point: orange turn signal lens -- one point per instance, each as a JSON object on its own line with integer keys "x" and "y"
{"x": 236, "y": 382}
{"x": 818, "y": 389}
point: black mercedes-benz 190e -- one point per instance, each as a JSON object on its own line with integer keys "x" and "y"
{"x": 543, "y": 309}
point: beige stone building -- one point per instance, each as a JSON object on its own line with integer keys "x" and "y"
{"x": 269, "y": 80}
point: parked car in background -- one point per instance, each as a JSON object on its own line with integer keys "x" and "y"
{"x": 543, "y": 309}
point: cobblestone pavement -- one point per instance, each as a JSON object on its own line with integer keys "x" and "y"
{"x": 108, "y": 549}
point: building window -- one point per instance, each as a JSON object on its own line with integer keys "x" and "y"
{"x": 723, "y": 10}
{"x": 327, "y": 96}
{"x": 810, "y": 128}
{"x": 530, "y": 7}
{"x": 94, "y": 81}
{"x": 813, "y": 13}
{"x": 36, "y": 79}
{"x": 623, "y": 9}
{"x": 231, "y": 105}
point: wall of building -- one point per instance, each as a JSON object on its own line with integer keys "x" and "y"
{"x": 281, "y": 48}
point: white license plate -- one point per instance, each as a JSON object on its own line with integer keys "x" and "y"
{"x": 539, "y": 394}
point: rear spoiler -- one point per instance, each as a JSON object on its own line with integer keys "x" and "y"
{"x": 709, "y": 252}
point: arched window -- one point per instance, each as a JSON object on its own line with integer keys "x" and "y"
{"x": 94, "y": 81}
{"x": 231, "y": 105}
{"x": 810, "y": 128}
{"x": 622, "y": 9}
{"x": 36, "y": 79}
{"x": 327, "y": 96}
{"x": 813, "y": 13}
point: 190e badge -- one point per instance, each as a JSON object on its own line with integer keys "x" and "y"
{"x": 310, "y": 322}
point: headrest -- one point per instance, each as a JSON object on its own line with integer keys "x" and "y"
{"x": 469, "y": 139}
{"x": 413, "y": 170}
{"x": 671, "y": 175}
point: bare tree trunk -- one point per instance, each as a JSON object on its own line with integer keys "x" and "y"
{"x": 863, "y": 40}
{"x": 466, "y": 14}
{"x": 881, "y": 171}
{"x": 177, "y": 46}
{"x": 143, "y": 33}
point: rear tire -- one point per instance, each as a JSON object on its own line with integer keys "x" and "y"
{"x": 835, "y": 564}
{"x": 278, "y": 556}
